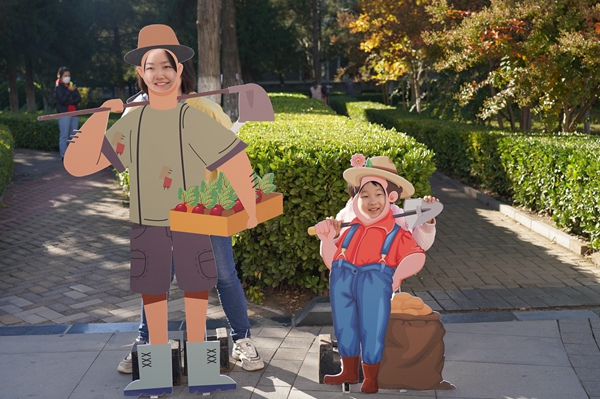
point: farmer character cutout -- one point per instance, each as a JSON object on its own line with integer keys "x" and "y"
{"x": 368, "y": 259}
{"x": 166, "y": 140}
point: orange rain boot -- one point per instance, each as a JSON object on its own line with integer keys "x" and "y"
{"x": 370, "y": 372}
{"x": 349, "y": 372}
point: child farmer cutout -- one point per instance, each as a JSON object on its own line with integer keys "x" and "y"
{"x": 366, "y": 261}
{"x": 166, "y": 139}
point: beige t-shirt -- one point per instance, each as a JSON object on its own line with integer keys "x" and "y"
{"x": 166, "y": 150}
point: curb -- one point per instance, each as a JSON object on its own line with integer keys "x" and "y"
{"x": 318, "y": 313}
{"x": 559, "y": 237}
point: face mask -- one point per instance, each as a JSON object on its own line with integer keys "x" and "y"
{"x": 66, "y": 79}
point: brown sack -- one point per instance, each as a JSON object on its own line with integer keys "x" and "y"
{"x": 413, "y": 357}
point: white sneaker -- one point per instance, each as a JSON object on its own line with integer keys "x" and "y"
{"x": 244, "y": 350}
{"x": 125, "y": 365}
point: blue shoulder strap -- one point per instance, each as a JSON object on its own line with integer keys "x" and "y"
{"x": 349, "y": 236}
{"x": 388, "y": 241}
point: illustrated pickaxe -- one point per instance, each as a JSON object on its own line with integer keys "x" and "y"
{"x": 253, "y": 104}
{"x": 417, "y": 212}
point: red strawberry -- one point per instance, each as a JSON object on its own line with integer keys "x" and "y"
{"x": 258, "y": 196}
{"x": 181, "y": 208}
{"x": 217, "y": 210}
{"x": 238, "y": 207}
{"x": 198, "y": 209}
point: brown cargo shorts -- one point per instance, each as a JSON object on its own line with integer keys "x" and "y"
{"x": 151, "y": 248}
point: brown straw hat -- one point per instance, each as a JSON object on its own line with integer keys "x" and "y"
{"x": 381, "y": 167}
{"x": 157, "y": 36}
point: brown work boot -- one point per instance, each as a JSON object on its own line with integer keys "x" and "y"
{"x": 370, "y": 372}
{"x": 349, "y": 372}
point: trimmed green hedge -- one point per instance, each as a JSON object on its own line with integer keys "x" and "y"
{"x": 30, "y": 133}
{"x": 308, "y": 147}
{"x": 6, "y": 157}
{"x": 554, "y": 174}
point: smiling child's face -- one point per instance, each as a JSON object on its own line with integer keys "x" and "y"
{"x": 372, "y": 200}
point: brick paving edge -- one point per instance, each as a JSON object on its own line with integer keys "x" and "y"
{"x": 561, "y": 238}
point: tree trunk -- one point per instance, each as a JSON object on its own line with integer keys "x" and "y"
{"x": 209, "y": 47}
{"x": 119, "y": 69}
{"x": 567, "y": 119}
{"x": 415, "y": 80}
{"x": 384, "y": 92}
{"x": 12, "y": 89}
{"x": 404, "y": 93}
{"x": 29, "y": 87}
{"x": 316, "y": 30}
{"x": 525, "y": 122}
{"x": 230, "y": 59}
{"x": 511, "y": 115}
{"x": 498, "y": 116}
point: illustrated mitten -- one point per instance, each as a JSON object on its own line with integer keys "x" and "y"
{"x": 204, "y": 368}
{"x": 156, "y": 375}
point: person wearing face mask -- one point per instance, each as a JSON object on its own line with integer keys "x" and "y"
{"x": 67, "y": 98}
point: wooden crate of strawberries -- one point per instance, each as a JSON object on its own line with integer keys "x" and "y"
{"x": 214, "y": 208}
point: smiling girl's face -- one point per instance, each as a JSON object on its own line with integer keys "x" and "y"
{"x": 159, "y": 73}
{"x": 372, "y": 199}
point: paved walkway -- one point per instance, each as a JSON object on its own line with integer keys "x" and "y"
{"x": 64, "y": 255}
{"x": 549, "y": 359}
{"x": 67, "y": 316}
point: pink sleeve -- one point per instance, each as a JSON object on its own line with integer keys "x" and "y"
{"x": 424, "y": 234}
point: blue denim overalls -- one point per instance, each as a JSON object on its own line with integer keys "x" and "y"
{"x": 360, "y": 302}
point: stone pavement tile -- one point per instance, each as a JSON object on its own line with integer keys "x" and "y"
{"x": 461, "y": 300}
{"x": 575, "y": 338}
{"x": 102, "y": 369}
{"x": 439, "y": 295}
{"x": 71, "y": 318}
{"x": 535, "y": 329}
{"x": 508, "y": 349}
{"x": 515, "y": 302}
{"x": 494, "y": 299}
{"x": 577, "y": 349}
{"x": 448, "y": 304}
{"x": 433, "y": 305}
{"x": 587, "y": 374}
{"x": 297, "y": 342}
{"x": 581, "y": 328}
{"x": 43, "y": 374}
{"x": 290, "y": 353}
{"x": 555, "y": 314}
{"x": 592, "y": 387}
{"x": 270, "y": 392}
{"x": 510, "y": 381}
{"x": 280, "y": 373}
{"x": 587, "y": 361}
{"x": 9, "y": 320}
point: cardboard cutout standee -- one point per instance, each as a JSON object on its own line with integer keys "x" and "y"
{"x": 167, "y": 147}
{"x": 368, "y": 263}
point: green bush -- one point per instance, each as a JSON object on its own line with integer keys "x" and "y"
{"x": 30, "y": 133}
{"x": 308, "y": 147}
{"x": 554, "y": 174}
{"x": 560, "y": 176}
{"x": 6, "y": 157}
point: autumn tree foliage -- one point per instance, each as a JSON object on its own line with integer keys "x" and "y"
{"x": 542, "y": 55}
{"x": 391, "y": 38}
